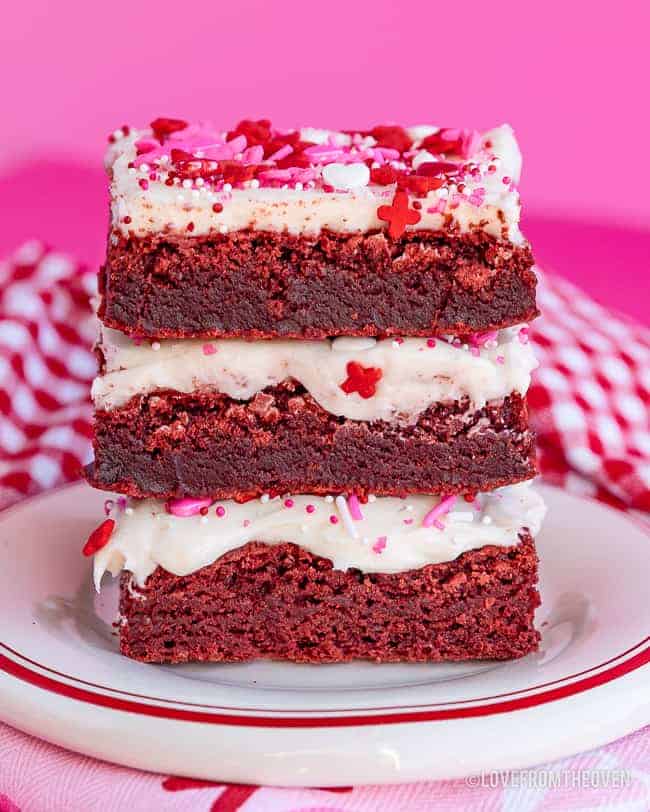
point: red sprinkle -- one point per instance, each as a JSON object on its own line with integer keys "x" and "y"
{"x": 99, "y": 537}
{"x": 398, "y": 215}
{"x": 190, "y": 226}
{"x": 143, "y": 184}
{"x": 220, "y": 511}
{"x": 334, "y": 519}
{"x": 209, "y": 349}
{"x": 383, "y": 175}
{"x": 310, "y": 508}
{"x": 361, "y": 379}
{"x": 126, "y": 219}
{"x": 162, "y": 127}
{"x": 431, "y": 342}
{"x": 217, "y": 208}
{"x": 391, "y": 137}
{"x": 288, "y": 503}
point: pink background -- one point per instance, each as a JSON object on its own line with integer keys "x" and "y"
{"x": 571, "y": 77}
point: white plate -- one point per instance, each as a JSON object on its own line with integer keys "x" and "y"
{"x": 61, "y": 676}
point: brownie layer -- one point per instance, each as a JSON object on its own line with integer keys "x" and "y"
{"x": 268, "y": 284}
{"x": 282, "y": 602}
{"x": 206, "y": 444}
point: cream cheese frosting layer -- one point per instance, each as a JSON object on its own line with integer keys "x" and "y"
{"x": 483, "y": 195}
{"x": 393, "y": 535}
{"x": 415, "y": 372}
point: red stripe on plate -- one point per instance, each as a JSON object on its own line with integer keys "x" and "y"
{"x": 82, "y": 695}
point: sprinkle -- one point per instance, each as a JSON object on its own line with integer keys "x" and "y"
{"x": 342, "y": 505}
{"x": 155, "y": 346}
{"x": 500, "y": 359}
{"x": 310, "y": 508}
{"x": 438, "y": 524}
{"x": 334, "y": 519}
{"x": 109, "y": 504}
{"x": 329, "y": 498}
{"x": 361, "y": 379}
{"x": 246, "y": 522}
{"x": 355, "y": 508}
{"x": 408, "y": 521}
{"x": 288, "y": 503}
{"x": 380, "y": 545}
{"x": 372, "y": 498}
{"x": 217, "y": 208}
{"x": 396, "y": 344}
{"x": 264, "y": 498}
{"x": 398, "y": 215}
{"x": 486, "y": 520}
{"x": 186, "y": 506}
{"x": 143, "y": 183}
{"x": 121, "y": 502}
{"x": 431, "y": 342}
{"x": 128, "y": 511}
{"x": 443, "y": 506}
{"x": 208, "y": 349}
{"x": 220, "y": 511}
{"x": 523, "y": 335}
{"x": 99, "y": 537}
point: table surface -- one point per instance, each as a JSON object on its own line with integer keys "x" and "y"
{"x": 65, "y": 204}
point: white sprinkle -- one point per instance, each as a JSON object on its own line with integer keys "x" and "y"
{"x": 117, "y": 134}
{"x": 144, "y": 168}
{"x": 344, "y": 510}
{"x": 199, "y": 181}
{"x": 486, "y": 520}
{"x": 227, "y": 187}
{"x": 132, "y": 170}
{"x": 129, "y": 511}
{"x": 163, "y": 159}
{"x": 223, "y": 229}
{"x": 372, "y": 498}
{"x": 409, "y": 507}
{"x": 395, "y": 345}
{"x": 264, "y": 498}
{"x": 298, "y": 187}
{"x": 255, "y": 184}
{"x": 329, "y": 498}
{"x": 187, "y": 183}
{"x": 155, "y": 346}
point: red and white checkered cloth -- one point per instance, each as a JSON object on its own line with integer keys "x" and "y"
{"x": 589, "y": 406}
{"x": 589, "y": 400}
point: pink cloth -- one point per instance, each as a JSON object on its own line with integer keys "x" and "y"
{"x": 589, "y": 406}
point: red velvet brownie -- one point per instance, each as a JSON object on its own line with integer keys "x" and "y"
{"x": 448, "y": 582}
{"x": 312, "y": 233}
{"x": 235, "y": 419}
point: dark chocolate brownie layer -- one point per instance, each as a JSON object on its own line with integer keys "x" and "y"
{"x": 268, "y": 284}
{"x": 206, "y": 444}
{"x": 281, "y": 602}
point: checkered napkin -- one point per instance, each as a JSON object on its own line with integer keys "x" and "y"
{"x": 589, "y": 401}
{"x": 589, "y": 407}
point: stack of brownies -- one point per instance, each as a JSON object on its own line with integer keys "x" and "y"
{"x": 313, "y": 367}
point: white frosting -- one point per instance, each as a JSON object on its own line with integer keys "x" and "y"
{"x": 414, "y": 375}
{"x": 146, "y": 536}
{"x": 353, "y": 208}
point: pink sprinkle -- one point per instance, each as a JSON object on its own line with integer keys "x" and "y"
{"x": 334, "y": 519}
{"x": 380, "y": 545}
{"x": 443, "y": 506}
{"x": 288, "y": 503}
{"x": 238, "y": 144}
{"x": 408, "y": 521}
{"x": 500, "y": 359}
{"x": 186, "y": 506}
{"x": 310, "y": 508}
{"x": 523, "y": 335}
{"x": 355, "y": 508}
{"x": 109, "y": 504}
{"x": 438, "y": 524}
{"x": 253, "y": 155}
{"x": 324, "y": 153}
{"x": 246, "y": 522}
{"x": 287, "y": 149}
{"x": 431, "y": 342}
{"x": 505, "y": 179}
{"x": 143, "y": 183}
{"x": 209, "y": 349}
{"x": 121, "y": 502}
{"x": 481, "y": 339}
{"x": 220, "y": 511}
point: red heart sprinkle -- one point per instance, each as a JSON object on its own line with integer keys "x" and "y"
{"x": 383, "y": 175}
{"x": 398, "y": 215}
{"x": 391, "y": 137}
{"x": 99, "y": 537}
{"x": 162, "y": 127}
{"x": 361, "y": 379}
{"x": 256, "y": 132}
